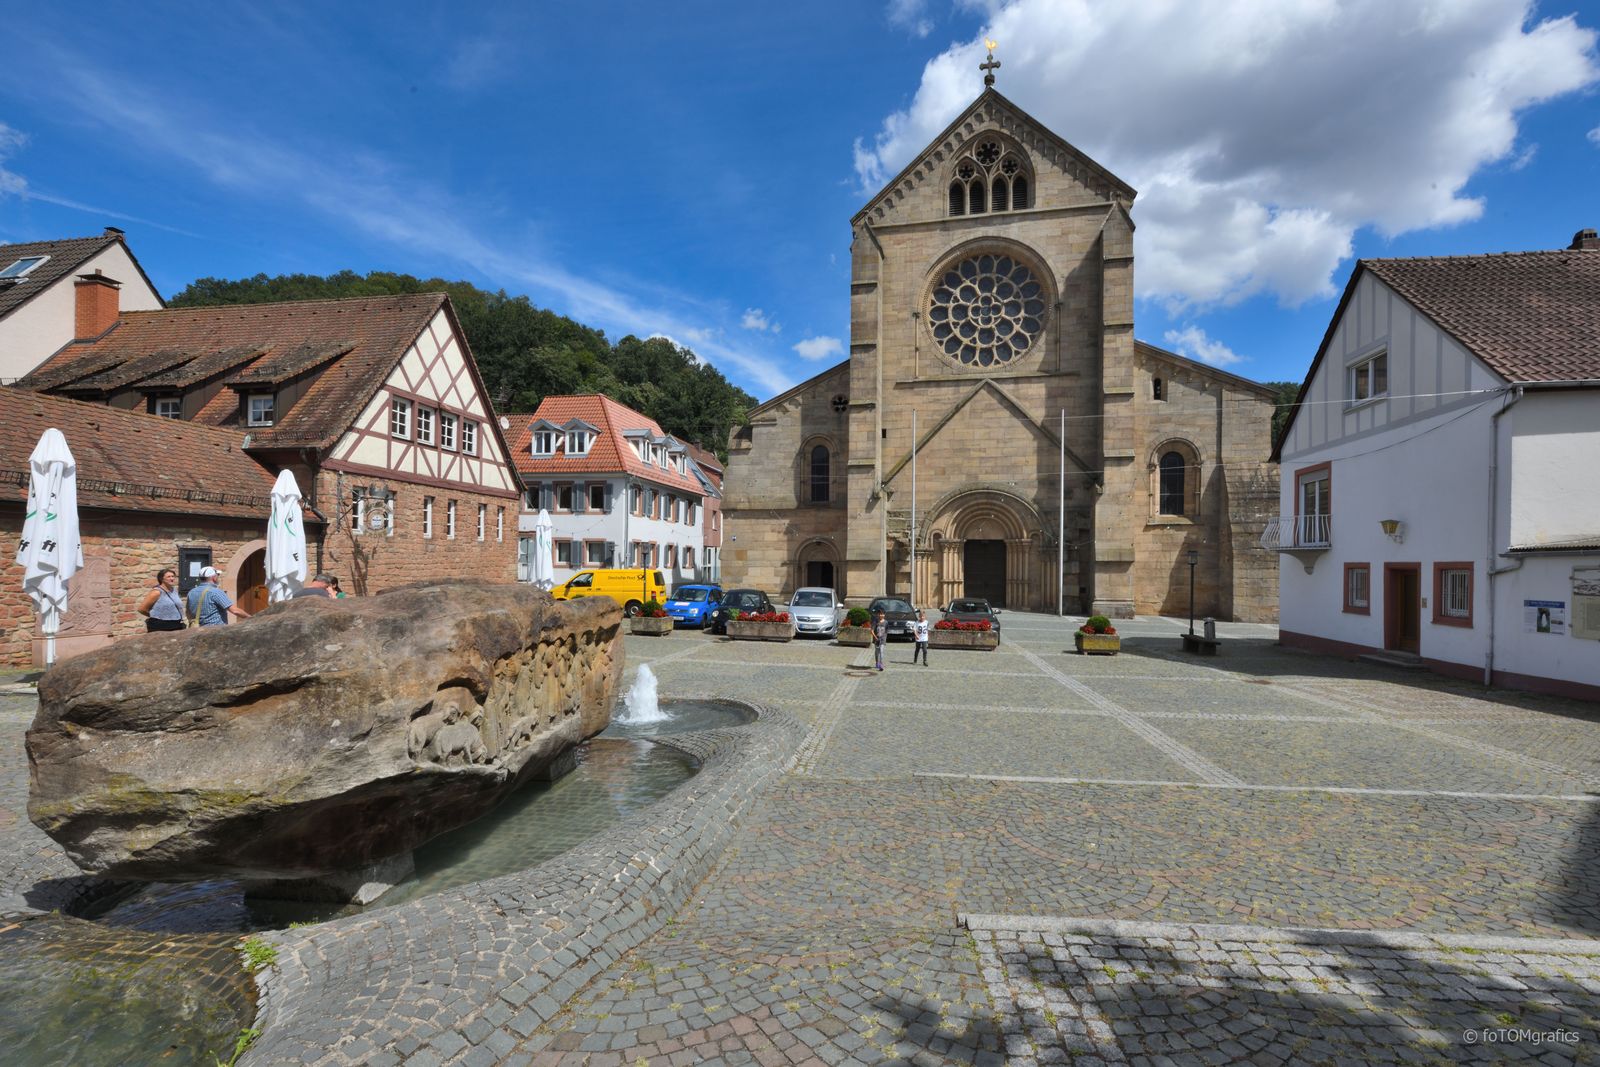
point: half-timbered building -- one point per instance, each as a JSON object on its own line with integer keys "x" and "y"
{"x": 374, "y": 403}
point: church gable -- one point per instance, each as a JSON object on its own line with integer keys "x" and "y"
{"x": 992, "y": 144}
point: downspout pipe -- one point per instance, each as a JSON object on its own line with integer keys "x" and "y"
{"x": 1491, "y": 571}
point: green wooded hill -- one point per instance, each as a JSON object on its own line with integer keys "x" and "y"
{"x": 526, "y": 353}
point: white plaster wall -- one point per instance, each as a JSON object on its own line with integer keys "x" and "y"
{"x": 1555, "y": 456}
{"x": 1432, "y": 475}
{"x": 1563, "y": 656}
{"x": 623, "y": 529}
{"x": 36, "y": 331}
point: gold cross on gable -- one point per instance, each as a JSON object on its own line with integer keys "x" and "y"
{"x": 992, "y": 64}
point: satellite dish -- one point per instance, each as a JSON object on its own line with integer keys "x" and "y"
{"x": 505, "y": 423}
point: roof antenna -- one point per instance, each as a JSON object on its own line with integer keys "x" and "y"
{"x": 992, "y": 65}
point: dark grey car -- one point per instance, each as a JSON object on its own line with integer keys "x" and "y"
{"x": 743, "y": 601}
{"x": 897, "y": 613}
{"x": 971, "y": 609}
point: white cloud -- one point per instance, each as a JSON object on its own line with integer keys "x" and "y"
{"x": 819, "y": 348}
{"x": 1192, "y": 341}
{"x": 1262, "y": 135}
{"x": 756, "y": 319}
{"x": 911, "y": 16}
{"x": 1594, "y": 136}
{"x": 11, "y": 183}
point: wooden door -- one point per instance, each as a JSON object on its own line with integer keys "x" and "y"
{"x": 1402, "y": 607}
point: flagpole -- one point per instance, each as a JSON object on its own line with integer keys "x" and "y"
{"x": 1061, "y": 525}
{"x": 913, "y": 507}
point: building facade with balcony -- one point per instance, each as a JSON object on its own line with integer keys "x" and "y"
{"x": 620, "y": 492}
{"x": 1438, "y": 494}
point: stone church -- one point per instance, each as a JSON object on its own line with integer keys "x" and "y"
{"x": 997, "y": 431}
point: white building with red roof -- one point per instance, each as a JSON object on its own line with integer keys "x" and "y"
{"x": 620, "y": 491}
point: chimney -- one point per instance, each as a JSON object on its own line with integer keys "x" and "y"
{"x": 98, "y": 305}
{"x": 1585, "y": 241}
{"x": 114, "y": 231}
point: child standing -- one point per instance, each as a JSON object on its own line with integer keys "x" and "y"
{"x": 880, "y": 634}
{"x": 919, "y": 633}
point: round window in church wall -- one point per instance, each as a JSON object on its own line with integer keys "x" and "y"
{"x": 986, "y": 310}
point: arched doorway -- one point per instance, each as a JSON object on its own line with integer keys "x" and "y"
{"x": 245, "y": 577}
{"x": 816, "y": 564}
{"x": 985, "y": 542}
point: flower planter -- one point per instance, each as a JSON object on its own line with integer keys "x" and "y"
{"x": 1097, "y": 644}
{"x": 982, "y": 640}
{"x": 856, "y": 636}
{"x": 650, "y": 627}
{"x": 761, "y": 631}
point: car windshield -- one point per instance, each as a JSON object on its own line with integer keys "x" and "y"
{"x": 893, "y": 605}
{"x": 745, "y": 600}
{"x": 692, "y": 595}
{"x": 980, "y": 607}
{"x": 812, "y": 598}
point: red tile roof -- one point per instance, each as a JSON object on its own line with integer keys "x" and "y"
{"x": 358, "y": 342}
{"x": 131, "y": 461}
{"x": 66, "y": 256}
{"x": 608, "y": 453}
{"x": 1531, "y": 316}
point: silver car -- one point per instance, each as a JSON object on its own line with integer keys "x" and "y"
{"x": 815, "y": 611}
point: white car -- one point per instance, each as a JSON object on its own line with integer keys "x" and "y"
{"x": 815, "y": 611}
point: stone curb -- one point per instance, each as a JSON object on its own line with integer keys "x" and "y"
{"x": 1300, "y": 935}
{"x": 466, "y": 973}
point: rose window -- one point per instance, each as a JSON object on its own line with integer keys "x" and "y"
{"x": 987, "y": 153}
{"x": 987, "y": 310}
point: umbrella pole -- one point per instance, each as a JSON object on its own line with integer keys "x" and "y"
{"x": 49, "y": 650}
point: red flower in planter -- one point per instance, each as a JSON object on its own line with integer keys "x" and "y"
{"x": 765, "y": 616}
{"x": 658, "y": 614}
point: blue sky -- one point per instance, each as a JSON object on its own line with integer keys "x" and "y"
{"x": 691, "y": 169}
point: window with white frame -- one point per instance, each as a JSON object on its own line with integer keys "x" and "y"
{"x": 1358, "y": 588}
{"x": 22, "y": 266}
{"x": 544, "y": 442}
{"x": 169, "y": 407}
{"x": 447, "y": 431}
{"x": 358, "y": 512}
{"x": 564, "y": 498}
{"x": 597, "y": 496}
{"x": 594, "y": 553}
{"x": 259, "y": 409}
{"x": 563, "y": 553}
{"x": 577, "y": 442}
{"x": 1453, "y": 594}
{"x": 635, "y": 500}
{"x": 689, "y": 519}
{"x": 424, "y": 426}
{"x": 708, "y": 558}
{"x": 450, "y": 520}
{"x": 400, "y": 418}
{"x": 499, "y": 524}
{"x": 427, "y": 517}
{"x": 469, "y": 437}
{"x": 639, "y": 446}
{"x": 483, "y": 521}
{"x": 1369, "y": 379}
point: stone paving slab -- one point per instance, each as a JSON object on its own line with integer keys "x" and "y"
{"x": 879, "y": 742}
{"x": 1572, "y": 743}
{"x": 1356, "y": 754}
{"x": 1142, "y": 993}
{"x": 1216, "y": 695}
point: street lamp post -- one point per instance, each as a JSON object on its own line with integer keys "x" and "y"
{"x": 1194, "y": 558}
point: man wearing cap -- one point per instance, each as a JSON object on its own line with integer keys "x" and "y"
{"x": 208, "y": 604}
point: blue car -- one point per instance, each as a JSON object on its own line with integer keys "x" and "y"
{"x": 692, "y": 605}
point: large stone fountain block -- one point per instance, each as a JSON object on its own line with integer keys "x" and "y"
{"x": 320, "y": 735}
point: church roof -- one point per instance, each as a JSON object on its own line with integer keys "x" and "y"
{"x": 994, "y": 99}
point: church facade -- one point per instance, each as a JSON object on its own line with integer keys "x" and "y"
{"x": 997, "y": 431}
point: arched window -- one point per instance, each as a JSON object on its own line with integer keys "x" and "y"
{"x": 819, "y": 474}
{"x": 1173, "y": 470}
{"x": 999, "y": 195}
{"x": 975, "y": 193}
{"x": 1019, "y": 193}
{"x": 958, "y": 198}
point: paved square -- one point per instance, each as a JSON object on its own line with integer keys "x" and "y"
{"x": 1264, "y": 792}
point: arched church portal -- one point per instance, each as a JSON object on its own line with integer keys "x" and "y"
{"x": 985, "y": 543}
{"x": 817, "y": 564}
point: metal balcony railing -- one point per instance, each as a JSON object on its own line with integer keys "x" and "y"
{"x": 1288, "y": 533}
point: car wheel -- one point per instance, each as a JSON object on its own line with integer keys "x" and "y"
{"x": 633, "y": 609}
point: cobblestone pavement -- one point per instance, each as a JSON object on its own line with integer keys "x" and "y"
{"x": 1389, "y": 867}
{"x": 1146, "y": 793}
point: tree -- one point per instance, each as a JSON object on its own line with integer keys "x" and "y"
{"x": 526, "y": 353}
{"x": 1286, "y": 393}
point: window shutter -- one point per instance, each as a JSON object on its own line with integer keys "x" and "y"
{"x": 611, "y": 496}
{"x": 580, "y": 498}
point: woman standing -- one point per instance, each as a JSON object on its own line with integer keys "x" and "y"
{"x": 161, "y": 607}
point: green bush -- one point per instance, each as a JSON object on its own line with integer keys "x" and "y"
{"x": 857, "y": 617}
{"x": 1098, "y": 623}
{"x": 652, "y": 606}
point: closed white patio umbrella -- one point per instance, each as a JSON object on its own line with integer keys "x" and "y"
{"x": 50, "y": 551}
{"x": 543, "y": 571}
{"x": 286, "y": 541}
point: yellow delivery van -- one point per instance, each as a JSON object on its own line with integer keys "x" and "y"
{"x": 630, "y": 587}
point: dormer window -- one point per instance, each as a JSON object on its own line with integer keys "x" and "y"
{"x": 22, "y": 267}
{"x": 577, "y": 442}
{"x": 259, "y": 409}
{"x": 168, "y": 407}
{"x": 544, "y": 442}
